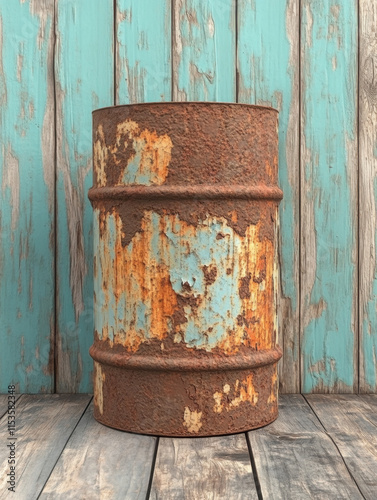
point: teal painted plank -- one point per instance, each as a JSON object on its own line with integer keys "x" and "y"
{"x": 27, "y": 198}
{"x": 268, "y": 41}
{"x": 329, "y": 195}
{"x": 368, "y": 196}
{"x": 84, "y": 81}
{"x": 204, "y": 67}
{"x": 143, "y": 51}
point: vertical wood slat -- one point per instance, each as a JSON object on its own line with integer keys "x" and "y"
{"x": 143, "y": 51}
{"x": 27, "y": 198}
{"x": 329, "y": 196}
{"x": 204, "y": 42}
{"x": 268, "y": 64}
{"x": 84, "y": 69}
{"x": 368, "y": 194}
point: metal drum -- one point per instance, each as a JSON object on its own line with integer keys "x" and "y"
{"x": 185, "y": 201}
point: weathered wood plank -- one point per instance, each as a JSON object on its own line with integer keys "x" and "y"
{"x": 99, "y": 462}
{"x": 329, "y": 275}
{"x": 203, "y": 468}
{"x": 268, "y": 62}
{"x": 351, "y": 421}
{"x": 84, "y": 81}
{"x": 43, "y": 426}
{"x": 368, "y": 194}
{"x": 204, "y": 50}
{"x": 3, "y": 404}
{"x": 27, "y": 198}
{"x": 294, "y": 458}
{"x": 143, "y": 51}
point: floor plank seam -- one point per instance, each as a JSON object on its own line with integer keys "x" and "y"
{"x": 60, "y": 454}
{"x": 153, "y": 466}
{"x": 254, "y": 468}
{"x": 334, "y": 443}
{"x": 2, "y": 415}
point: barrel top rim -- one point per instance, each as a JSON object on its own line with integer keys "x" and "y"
{"x": 161, "y": 103}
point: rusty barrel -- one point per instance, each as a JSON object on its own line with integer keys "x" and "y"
{"x": 185, "y": 201}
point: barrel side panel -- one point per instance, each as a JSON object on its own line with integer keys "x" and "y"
{"x": 185, "y": 281}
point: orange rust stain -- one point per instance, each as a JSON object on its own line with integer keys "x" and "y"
{"x": 255, "y": 259}
{"x": 139, "y": 275}
{"x": 100, "y": 157}
{"x": 99, "y": 379}
{"x": 274, "y": 390}
{"x": 135, "y": 278}
{"x": 154, "y": 152}
{"x": 151, "y": 152}
{"x": 152, "y": 280}
{"x": 272, "y": 170}
{"x": 230, "y": 398}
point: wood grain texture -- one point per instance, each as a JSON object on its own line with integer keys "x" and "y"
{"x": 268, "y": 63}
{"x": 203, "y": 468}
{"x": 3, "y": 404}
{"x": 143, "y": 51}
{"x": 84, "y": 81}
{"x": 43, "y": 426}
{"x": 99, "y": 462}
{"x": 204, "y": 47}
{"x": 295, "y": 459}
{"x": 352, "y": 423}
{"x": 329, "y": 196}
{"x": 27, "y": 195}
{"x": 368, "y": 194}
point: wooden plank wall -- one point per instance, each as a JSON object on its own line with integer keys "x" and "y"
{"x": 314, "y": 60}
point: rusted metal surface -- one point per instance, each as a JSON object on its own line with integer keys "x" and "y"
{"x": 185, "y": 207}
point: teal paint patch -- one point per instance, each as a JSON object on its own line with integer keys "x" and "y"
{"x": 204, "y": 51}
{"x": 268, "y": 75}
{"x": 27, "y": 200}
{"x": 209, "y": 323}
{"x": 143, "y": 51}
{"x": 84, "y": 79}
{"x": 329, "y": 41}
{"x": 184, "y": 255}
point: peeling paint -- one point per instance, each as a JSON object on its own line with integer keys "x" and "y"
{"x": 329, "y": 194}
{"x": 184, "y": 268}
{"x": 191, "y": 420}
{"x": 146, "y": 164}
{"x": 11, "y": 181}
{"x": 127, "y": 313}
{"x": 98, "y": 385}
{"x": 202, "y": 31}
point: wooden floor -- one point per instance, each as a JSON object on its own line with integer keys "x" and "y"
{"x": 321, "y": 447}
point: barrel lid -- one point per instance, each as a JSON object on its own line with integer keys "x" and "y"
{"x": 181, "y": 103}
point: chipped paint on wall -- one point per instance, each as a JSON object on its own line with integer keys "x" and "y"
{"x": 26, "y": 204}
{"x": 329, "y": 254}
